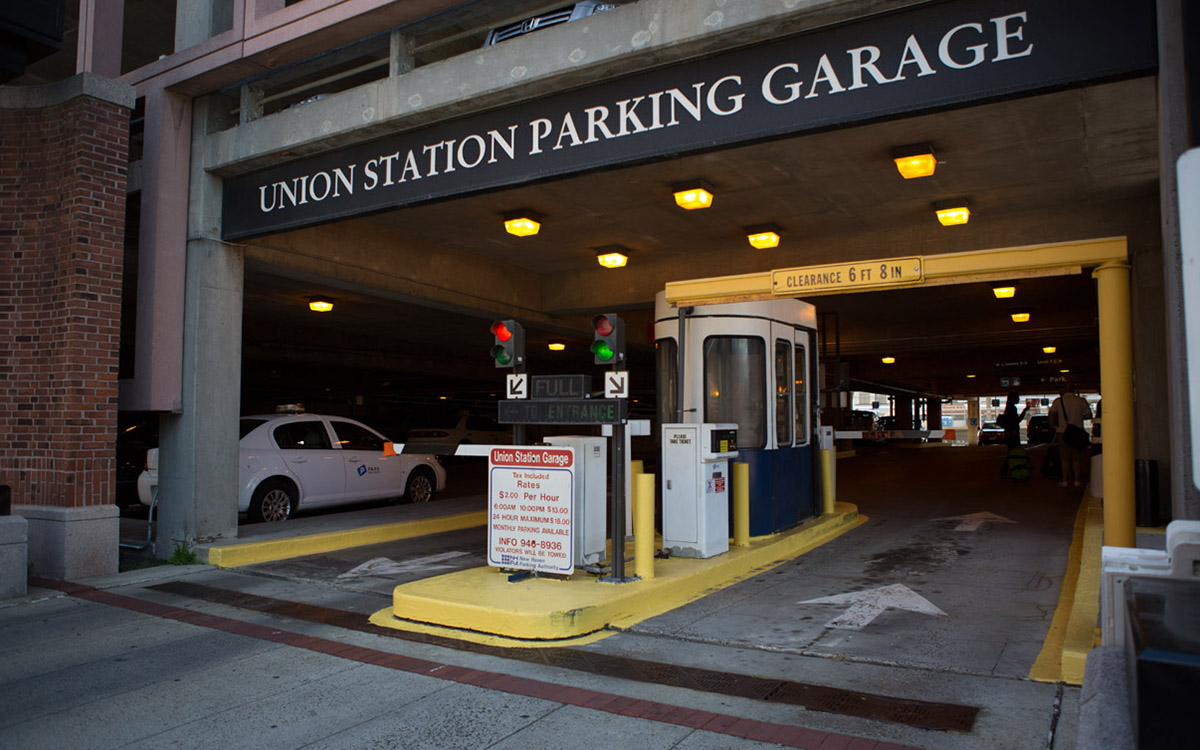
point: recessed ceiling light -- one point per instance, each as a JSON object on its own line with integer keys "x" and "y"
{"x": 952, "y": 212}
{"x": 915, "y": 160}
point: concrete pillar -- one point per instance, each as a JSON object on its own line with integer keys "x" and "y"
{"x": 158, "y": 364}
{"x": 973, "y": 422}
{"x": 1175, "y": 109}
{"x": 198, "y": 458}
{"x": 904, "y": 413}
{"x": 933, "y": 413}
{"x": 101, "y": 26}
{"x": 198, "y": 20}
{"x": 1116, "y": 392}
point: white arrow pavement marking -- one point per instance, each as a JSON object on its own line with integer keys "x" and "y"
{"x": 865, "y": 606}
{"x": 383, "y": 566}
{"x": 973, "y": 521}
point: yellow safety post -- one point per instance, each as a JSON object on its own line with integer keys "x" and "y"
{"x": 643, "y": 525}
{"x": 827, "y": 500}
{"x": 741, "y": 504}
{"x": 637, "y": 466}
{"x": 828, "y": 469}
{"x": 1116, "y": 390}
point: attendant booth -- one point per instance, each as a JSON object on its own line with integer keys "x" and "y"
{"x": 751, "y": 364}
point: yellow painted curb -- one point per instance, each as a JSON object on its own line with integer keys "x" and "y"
{"x": 1072, "y": 630}
{"x": 482, "y": 600}
{"x": 268, "y": 550}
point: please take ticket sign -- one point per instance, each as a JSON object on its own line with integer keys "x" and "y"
{"x": 530, "y": 503}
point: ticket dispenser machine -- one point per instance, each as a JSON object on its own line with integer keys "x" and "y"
{"x": 589, "y": 516}
{"x": 696, "y": 487}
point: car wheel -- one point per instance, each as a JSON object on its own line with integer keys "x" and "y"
{"x": 419, "y": 488}
{"x": 274, "y": 500}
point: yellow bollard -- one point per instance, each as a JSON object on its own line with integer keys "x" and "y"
{"x": 741, "y": 504}
{"x": 643, "y": 526}
{"x": 827, "y": 469}
{"x": 636, "y": 467}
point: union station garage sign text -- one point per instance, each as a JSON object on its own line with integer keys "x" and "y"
{"x": 934, "y": 56}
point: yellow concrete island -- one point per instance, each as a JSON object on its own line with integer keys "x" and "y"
{"x": 482, "y": 605}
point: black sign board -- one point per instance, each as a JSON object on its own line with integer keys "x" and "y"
{"x": 563, "y": 411}
{"x": 560, "y": 386}
{"x": 928, "y": 57}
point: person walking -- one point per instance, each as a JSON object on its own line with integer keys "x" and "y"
{"x": 1068, "y": 413}
{"x": 1010, "y": 420}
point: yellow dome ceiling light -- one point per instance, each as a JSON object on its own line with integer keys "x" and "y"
{"x": 522, "y": 223}
{"x": 693, "y": 195}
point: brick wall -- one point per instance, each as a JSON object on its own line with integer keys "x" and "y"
{"x": 62, "y": 213}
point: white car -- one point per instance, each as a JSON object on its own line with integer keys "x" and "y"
{"x": 463, "y": 429}
{"x": 291, "y": 461}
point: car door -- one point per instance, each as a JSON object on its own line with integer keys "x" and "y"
{"x": 307, "y": 451}
{"x": 368, "y": 473}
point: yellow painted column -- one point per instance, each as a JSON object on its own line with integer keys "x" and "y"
{"x": 741, "y": 504}
{"x": 828, "y": 462}
{"x": 643, "y": 526}
{"x": 1116, "y": 391}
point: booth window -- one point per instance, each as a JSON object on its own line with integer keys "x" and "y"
{"x": 783, "y": 393}
{"x": 666, "y": 353}
{"x": 735, "y": 385}
{"x": 801, "y": 396}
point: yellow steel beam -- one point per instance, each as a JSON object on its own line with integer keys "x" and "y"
{"x": 1058, "y": 258}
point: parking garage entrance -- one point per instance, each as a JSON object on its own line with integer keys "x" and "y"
{"x": 1106, "y": 257}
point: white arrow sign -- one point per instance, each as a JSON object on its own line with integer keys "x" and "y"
{"x": 973, "y": 521}
{"x": 865, "y": 606}
{"x": 518, "y": 385}
{"x": 383, "y": 567}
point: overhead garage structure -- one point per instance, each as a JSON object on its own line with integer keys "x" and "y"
{"x": 369, "y": 152}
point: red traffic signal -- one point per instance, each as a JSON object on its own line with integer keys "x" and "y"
{"x": 509, "y": 347}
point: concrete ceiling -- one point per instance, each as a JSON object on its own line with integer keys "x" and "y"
{"x": 1061, "y": 166}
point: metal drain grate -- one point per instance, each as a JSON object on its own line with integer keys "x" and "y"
{"x": 914, "y": 713}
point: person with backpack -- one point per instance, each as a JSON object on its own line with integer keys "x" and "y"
{"x": 1068, "y": 413}
{"x": 1016, "y": 462}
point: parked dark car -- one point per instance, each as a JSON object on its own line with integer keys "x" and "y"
{"x": 991, "y": 433}
{"x": 1039, "y": 430}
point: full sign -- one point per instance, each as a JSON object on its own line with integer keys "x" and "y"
{"x": 530, "y": 507}
{"x": 927, "y": 57}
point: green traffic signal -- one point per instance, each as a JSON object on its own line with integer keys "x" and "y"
{"x": 602, "y": 351}
{"x": 609, "y": 344}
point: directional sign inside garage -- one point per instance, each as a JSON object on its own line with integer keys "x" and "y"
{"x": 616, "y": 384}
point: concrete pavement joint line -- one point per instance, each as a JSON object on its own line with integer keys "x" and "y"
{"x": 483, "y": 601}
{"x": 818, "y": 654}
{"x": 270, "y": 550}
{"x": 783, "y": 734}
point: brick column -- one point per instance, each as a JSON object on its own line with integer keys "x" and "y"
{"x": 63, "y": 162}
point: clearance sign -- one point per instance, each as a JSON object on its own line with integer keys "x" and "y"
{"x": 933, "y": 56}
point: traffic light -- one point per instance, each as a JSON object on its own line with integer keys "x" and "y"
{"x": 608, "y": 348}
{"x": 509, "y": 348}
